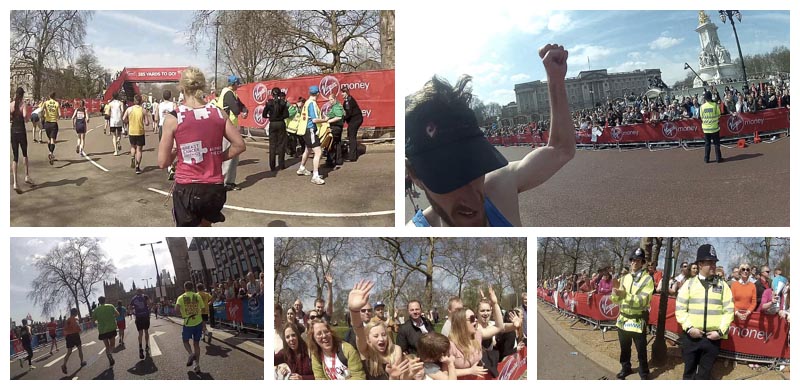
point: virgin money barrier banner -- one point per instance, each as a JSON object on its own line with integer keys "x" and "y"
{"x": 373, "y": 90}
{"x": 514, "y": 366}
{"x": 760, "y": 335}
{"x": 731, "y": 126}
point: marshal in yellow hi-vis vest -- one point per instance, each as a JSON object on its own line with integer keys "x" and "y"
{"x": 221, "y": 105}
{"x": 633, "y": 308}
{"x": 705, "y": 304}
{"x": 709, "y": 114}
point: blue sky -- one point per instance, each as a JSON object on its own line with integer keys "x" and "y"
{"x": 145, "y": 39}
{"x": 498, "y": 47}
{"x": 133, "y": 263}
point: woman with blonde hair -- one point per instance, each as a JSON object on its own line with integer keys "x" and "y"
{"x": 465, "y": 344}
{"x": 744, "y": 294}
{"x": 491, "y": 330}
{"x": 193, "y": 134}
{"x": 332, "y": 359}
{"x": 382, "y": 358}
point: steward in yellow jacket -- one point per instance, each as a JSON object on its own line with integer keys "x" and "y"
{"x": 704, "y": 308}
{"x": 633, "y": 293}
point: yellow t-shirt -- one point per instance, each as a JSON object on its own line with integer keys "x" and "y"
{"x": 50, "y": 108}
{"x": 191, "y": 305}
{"x": 207, "y": 300}
{"x": 136, "y": 120}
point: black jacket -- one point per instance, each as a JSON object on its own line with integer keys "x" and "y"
{"x": 276, "y": 110}
{"x": 352, "y": 112}
{"x": 408, "y": 335}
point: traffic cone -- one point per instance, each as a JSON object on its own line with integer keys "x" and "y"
{"x": 756, "y": 138}
{"x": 742, "y": 144}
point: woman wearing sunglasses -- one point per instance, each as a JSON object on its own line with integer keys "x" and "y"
{"x": 465, "y": 344}
{"x": 678, "y": 281}
{"x": 332, "y": 359}
{"x": 744, "y": 294}
{"x": 293, "y": 361}
{"x": 382, "y": 358}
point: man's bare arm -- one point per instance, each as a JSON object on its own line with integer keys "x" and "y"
{"x": 540, "y": 164}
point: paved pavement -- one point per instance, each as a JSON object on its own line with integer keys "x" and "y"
{"x": 218, "y": 360}
{"x": 661, "y": 188}
{"x": 102, "y": 189}
{"x": 554, "y": 354}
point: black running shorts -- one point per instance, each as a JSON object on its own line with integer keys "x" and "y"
{"x": 192, "y": 203}
{"x": 51, "y": 129}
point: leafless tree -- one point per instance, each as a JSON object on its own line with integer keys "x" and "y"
{"x": 287, "y": 263}
{"x": 335, "y": 41}
{"x": 89, "y": 74}
{"x": 68, "y": 273}
{"x": 44, "y": 39}
{"x": 460, "y": 259}
{"x": 387, "y": 39}
{"x": 418, "y": 260}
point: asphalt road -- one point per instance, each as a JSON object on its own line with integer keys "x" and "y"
{"x": 671, "y": 187}
{"x": 76, "y": 192}
{"x": 168, "y": 360}
{"x": 557, "y": 359}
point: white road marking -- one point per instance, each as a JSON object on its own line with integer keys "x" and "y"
{"x": 254, "y": 345}
{"x": 154, "y": 350}
{"x": 93, "y": 128}
{"x": 101, "y": 351}
{"x": 296, "y": 213}
{"x": 93, "y": 162}
{"x": 64, "y": 355}
{"x": 55, "y": 361}
{"x": 74, "y": 378}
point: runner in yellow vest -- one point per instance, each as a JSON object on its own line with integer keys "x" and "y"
{"x": 136, "y": 118}
{"x": 204, "y": 313}
{"x": 190, "y": 305}
{"x": 709, "y": 114}
{"x": 51, "y": 111}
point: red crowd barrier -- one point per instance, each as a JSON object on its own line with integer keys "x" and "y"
{"x": 736, "y": 125}
{"x": 761, "y": 335}
{"x": 373, "y": 90}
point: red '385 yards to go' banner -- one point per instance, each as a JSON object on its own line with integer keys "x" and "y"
{"x": 373, "y": 90}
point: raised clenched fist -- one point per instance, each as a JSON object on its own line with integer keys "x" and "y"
{"x": 554, "y": 59}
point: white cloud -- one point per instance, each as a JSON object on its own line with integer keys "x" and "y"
{"x": 664, "y": 42}
{"x": 502, "y": 96}
{"x": 635, "y": 55}
{"x": 627, "y": 66}
{"x": 138, "y": 22}
{"x": 483, "y": 32}
{"x": 34, "y": 242}
{"x": 520, "y": 77}
{"x": 180, "y": 39}
{"x": 579, "y": 53}
{"x": 559, "y": 22}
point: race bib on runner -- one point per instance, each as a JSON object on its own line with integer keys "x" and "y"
{"x": 192, "y": 152}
